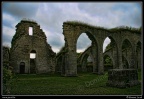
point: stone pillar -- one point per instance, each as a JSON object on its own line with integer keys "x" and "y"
{"x": 71, "y": 56}
{"x": 138, "y": 57}
{"x": 133, "y": 57}
{"x": 133, "y": 61}
{"x": 119, "y": 57}
{"x": 100, "y": 59}
{"x": 84, "y": 63}
{"x": 115, "y": 57}
{"x": 94, "y": 59}
{"x": 63, "y": 64}
{"x": 71, "y": 64}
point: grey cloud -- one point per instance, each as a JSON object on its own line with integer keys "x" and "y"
{"x": 50, "y": 16}
{"x": 20, "y": 9}
{"x": 83, "y": 42}
{"x": 114, "y": 14}
{"x": 95, "y": 9}
{"x": 55, "y": 40}
{"x": 7, "y": 23}
{"x": 6, "y": 38}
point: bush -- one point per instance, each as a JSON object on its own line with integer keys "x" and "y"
{"x": 7, "y": 76}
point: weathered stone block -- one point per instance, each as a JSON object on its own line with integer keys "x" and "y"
{"x": 122, "y": 78}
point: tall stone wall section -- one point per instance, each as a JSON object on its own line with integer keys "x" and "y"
{"x": 23, "y": 44}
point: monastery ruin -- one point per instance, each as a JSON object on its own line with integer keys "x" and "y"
{"x": 125, "y": 61}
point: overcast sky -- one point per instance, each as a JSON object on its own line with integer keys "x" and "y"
{"x": 51, "y": 15}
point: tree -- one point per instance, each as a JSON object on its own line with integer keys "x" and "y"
{"x": 107, "y": 60}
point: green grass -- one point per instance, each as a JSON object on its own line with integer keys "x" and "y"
{"x": 53, "y": 84}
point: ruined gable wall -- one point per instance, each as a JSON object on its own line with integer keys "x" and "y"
{"x": 23, "y": 44}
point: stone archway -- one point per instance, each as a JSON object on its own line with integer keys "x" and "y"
{"x": 72, "y": 30}
{"x": 87, "y": 64}
{"x": 22, "y": 68}
{"x": 72, "y": 34}
{"x": 112, "y": 51}
{"x": 83, "y": 59}
{"x": 90, "y": 51}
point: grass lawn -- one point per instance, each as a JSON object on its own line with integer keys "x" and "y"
{"x": 54, "y": 84}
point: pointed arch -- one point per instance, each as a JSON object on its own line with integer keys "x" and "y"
{"x": 31, "y": 31}
{"x": 93, "y": 48}
{"x": 82, "y": 46}
{"x": 125, "y": 62}
{"x": 127, "y": 52}
{"x": 112, "y": 42}
{"x": 112, "y": 50}
{"x": 90, "y": 36}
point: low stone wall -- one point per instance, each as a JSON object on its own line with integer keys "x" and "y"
{"x": 122, "y": 78}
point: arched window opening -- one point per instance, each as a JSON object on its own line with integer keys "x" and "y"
{"x": 31, "y": 31}
{"x": 127, "y": 53}
{"x": 126, "y": 45}
{"x": 33, "y": 54}
{"x": 106, "y": 44}
{"x": 87, "y": 63}
{"x": 83, "y": 43}
{"x": 110, "y": 48}
{"x": 86, "y": 45}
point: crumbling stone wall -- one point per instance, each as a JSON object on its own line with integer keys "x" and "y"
{"x": 22, "y": 45}
{"x": 61, "y": 60}
{"x": 6, "y": 56}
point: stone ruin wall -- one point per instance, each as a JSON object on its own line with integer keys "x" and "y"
{"x": 23, "y": 44}
{"x": 72, "y": 30}
{"x": 46, "y": 60}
